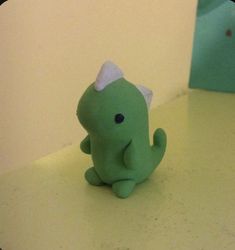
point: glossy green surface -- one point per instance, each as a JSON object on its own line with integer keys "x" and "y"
{"x": 213, "y": 62}
{"x": 187, "y": 204}
{"x": 205, "y": 6}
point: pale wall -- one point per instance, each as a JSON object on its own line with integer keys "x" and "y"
{"x": 51, "y": 50}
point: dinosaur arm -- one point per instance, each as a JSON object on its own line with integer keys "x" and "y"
{"x": 130, "y": 157}
{"x": 85, "y": 145}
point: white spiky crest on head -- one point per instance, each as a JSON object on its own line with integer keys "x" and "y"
{"x": 147, "y": 93}
{"x": 108, "y": 73}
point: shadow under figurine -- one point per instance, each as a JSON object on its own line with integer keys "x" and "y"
{"x": 114, "y": 112}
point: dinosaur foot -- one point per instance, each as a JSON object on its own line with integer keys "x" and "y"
{"x": 93, "y": 178}
{"x": 123, "y": 188}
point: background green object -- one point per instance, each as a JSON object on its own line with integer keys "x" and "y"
{"x": 205, "y": 6}
{"x": 213, "y": 62}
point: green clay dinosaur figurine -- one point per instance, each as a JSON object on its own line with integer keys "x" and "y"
{"x": 114, "y": 112}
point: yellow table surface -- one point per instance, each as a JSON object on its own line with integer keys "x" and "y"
{"x": 188, "y": 203}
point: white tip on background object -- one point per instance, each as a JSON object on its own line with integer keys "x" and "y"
{"x": 108, "y": 73}
{"x": 147, "y": 93}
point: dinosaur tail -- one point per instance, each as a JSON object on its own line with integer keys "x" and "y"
{"x": 159, "y": 145}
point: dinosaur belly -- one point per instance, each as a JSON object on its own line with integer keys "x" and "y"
{"x": 109, "y": 164}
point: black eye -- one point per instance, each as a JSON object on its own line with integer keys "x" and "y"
{"x": 119, "y": 118}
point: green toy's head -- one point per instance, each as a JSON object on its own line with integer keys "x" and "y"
{"x": 112, "y": 107}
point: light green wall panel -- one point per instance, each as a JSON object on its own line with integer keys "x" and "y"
{"x": 213, "y": 62}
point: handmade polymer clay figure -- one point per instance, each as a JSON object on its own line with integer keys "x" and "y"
{"x": 114, "y": 113}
